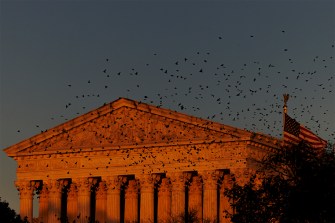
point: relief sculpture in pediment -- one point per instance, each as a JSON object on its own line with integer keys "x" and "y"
{"x": 127, "y": 126}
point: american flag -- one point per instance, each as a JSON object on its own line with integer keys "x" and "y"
{"x": 294, "y": 133}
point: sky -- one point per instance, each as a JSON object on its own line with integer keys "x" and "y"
{"x": 227, "y": 61}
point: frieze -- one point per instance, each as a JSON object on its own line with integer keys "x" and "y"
{"x": 48, "y": 164}
{"x": 150, "y": 160}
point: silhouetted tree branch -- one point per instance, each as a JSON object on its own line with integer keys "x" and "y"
{"x": 297, "y": 185}
{"x": 8, "y": 215}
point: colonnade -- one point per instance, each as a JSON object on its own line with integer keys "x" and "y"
{"x": 139, "y": 198}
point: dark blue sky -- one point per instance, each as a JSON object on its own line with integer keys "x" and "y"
{"x": 241, "y": 56}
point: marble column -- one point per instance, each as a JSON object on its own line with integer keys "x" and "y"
{"x": 131, "y": 201}
{"x": 113, "y": 184}
{"x": 72, "y": 203}
{"x": 55, "y": 201}
{"x": 147, "y": 186}
{"x": 210, "y": 182}
{"x": 195, "y": 196}
{"x": 101, "y": 202}
{"x": 26, "y": 191}
{"x": 164, "y": 201}
{"x": 224, "y": 202}
{"x": 84, "y": 199}
{"x": 178, "y": 180}
{"x": 43, "y": 204}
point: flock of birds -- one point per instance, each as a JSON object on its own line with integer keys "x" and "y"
{"x": 248, "y": 94}
{"x": 243, "y": 94}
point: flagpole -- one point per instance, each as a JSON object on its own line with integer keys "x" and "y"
{"x": 286, "y": 97}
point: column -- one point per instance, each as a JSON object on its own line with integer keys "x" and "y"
{"x": 210, "y": 180}
{"x": 43, "y": 204}
{"x": 164, "y": 201}
{"x": 178, "y": 180}
{"x": 101, "y": 202}
{"x": 224, "y": 201}
{"x": 26, "y": 191}
{"x": 55, "y": 201}
{"x": 84, "y": 201}
{"x": 131, "y": 201}
{"x": 72, "y": 203}
{"x": 113, "y": 184}
{"x": 147, "y": 186}
{"x": 195, "y": 196}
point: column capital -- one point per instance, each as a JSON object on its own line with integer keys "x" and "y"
{"x": 101, "y": 190}
{"x": 44, "y": 192}
{"x": 101, "y": 202}
{"x": 196, "y": 185}
{"x": 178, "y": 179}
{"x": 43, "y": 203}
{"x": 178, "y": 184}
{"x": 148, "y": 181}
{"x": 132, "y": 189}
{"x": 26, "y": 184}
{"x": 72, "y": 202}
{"x": 164, "y": 200}
{"x": 25, "y": 188}
{"x": 83, "y": 185}
{"x": 211, "y": 178}
{"x": 72, "y": 191}
{"x": 114, "y": 183}
{"x": 165, "y": 186}
{"x": 54, "y": 187}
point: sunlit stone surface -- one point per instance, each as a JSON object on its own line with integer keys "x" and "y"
{"x": 129, "y": 161}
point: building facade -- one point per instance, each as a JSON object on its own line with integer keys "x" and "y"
{"x": 132, "y": 162}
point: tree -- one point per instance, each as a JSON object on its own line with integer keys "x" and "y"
{"x": 8, "y": 215}
{"x": 297, "y": 185}
{"x": 191, "y": 217}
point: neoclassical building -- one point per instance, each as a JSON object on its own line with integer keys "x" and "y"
{"x": 132, "y": 162}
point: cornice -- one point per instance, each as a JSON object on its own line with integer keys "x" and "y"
{"x": 107, "y": 149}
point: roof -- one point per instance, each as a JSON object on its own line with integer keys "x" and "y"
{"x": 126, "y": 123}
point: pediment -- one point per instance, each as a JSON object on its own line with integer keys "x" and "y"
{"x": 125, "y": 123}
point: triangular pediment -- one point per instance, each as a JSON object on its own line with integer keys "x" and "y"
{"x": 125, "y": 123}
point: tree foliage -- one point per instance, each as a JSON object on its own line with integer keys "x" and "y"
{"x": 8, "y": 215}
{"x": 295, "y": 184}
{"x": 190, "y": 216}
